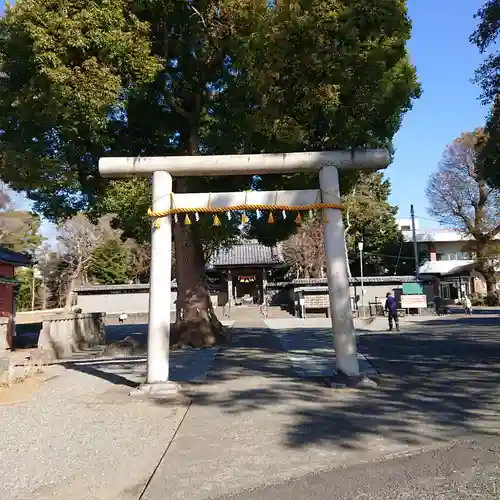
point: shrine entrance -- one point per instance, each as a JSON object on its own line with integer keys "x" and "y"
{"x": 248, "y": 289}
{"x": 167, "y": 207}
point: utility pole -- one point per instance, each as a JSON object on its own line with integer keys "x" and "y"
{"x": 415, "y": 245}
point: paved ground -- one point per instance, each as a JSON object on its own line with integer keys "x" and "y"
{"x": 440, "y": 386}
{"x": 439, "y": 390}
{"x": 460, "y": 471}
{"x": 258, "y": 427}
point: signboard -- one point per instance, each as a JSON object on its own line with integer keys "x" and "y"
{"x": 413, "y": 288}
{"x": 413, "y": 301}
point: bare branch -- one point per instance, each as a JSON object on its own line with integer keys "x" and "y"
{"x": 198, "y": 13}
{"x": 459, "y": 196}
{"x": 303, "y": 251}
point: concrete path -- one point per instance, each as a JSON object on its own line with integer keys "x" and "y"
{"x": 309, "y": 347}
{"x": 257, "y": 424}
{"x": 460, "y": 471}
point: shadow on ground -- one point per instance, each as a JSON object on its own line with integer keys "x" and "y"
{"x": 437, "y": 384}
{"x": 189, "y": 365}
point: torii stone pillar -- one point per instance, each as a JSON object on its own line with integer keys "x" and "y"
{"x": 162, "y": 169}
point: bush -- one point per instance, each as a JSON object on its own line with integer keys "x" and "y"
{"x": 478, "y": 301}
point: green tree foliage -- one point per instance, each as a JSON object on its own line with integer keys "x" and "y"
{"x": 130, "y": 201}
{"x": 111, "y": 263}
{"x": 67, "y": 66}
{"x": 163, "y": 77}
{"x": 19, "y": 229}
{"x": 28, "y": 289}
{"x": 369, "y": 218}
{"x": 485, "y": 36}
{"x": 488, "y": 77}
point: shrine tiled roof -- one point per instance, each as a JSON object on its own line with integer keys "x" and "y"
{"x": 15, "y": 258}
{"x": 247, "y": 253}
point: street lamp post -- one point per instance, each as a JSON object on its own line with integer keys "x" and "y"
{"x": 360, "y": 248}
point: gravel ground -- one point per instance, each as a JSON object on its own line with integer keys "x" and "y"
{"x": 79, "y": 436}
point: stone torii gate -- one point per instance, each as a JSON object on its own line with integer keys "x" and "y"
{"x": 162, "y": 169}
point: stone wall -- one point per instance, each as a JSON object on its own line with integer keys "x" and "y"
{"x": 31, "y": 317}
{"x": 65, "y": 333}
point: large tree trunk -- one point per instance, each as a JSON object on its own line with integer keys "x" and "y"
{"x": 68, "y": 302}
{"x": 491, "y": 282}
{"x": 488, "y": 271}
{"x": 196, "y": 324}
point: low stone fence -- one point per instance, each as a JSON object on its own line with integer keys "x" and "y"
{"x": 31, "y": 317}
{"x": 68, "y": 332}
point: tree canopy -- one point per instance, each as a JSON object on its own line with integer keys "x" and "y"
{"x": 19, "y": 229}
{"x": 163, "y": 77}
{"x": 110, "y": 263}
{"x": 368, "y": 218}
{"x": 488, "y": 77}
{"x": 88, "y": 79}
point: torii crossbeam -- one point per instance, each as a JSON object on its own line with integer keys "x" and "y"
{"x": 327, "y": 163}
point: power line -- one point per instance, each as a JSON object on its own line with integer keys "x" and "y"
{"x": 388, "y": 256}
{"x": 423, "y": 218}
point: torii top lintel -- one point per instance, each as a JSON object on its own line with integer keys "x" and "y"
{"x": 222, "y": 165}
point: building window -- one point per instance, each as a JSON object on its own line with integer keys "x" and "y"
{"x": 405, "y": 228}
{"x": 445, "y": 289}
{"x": 453, "y": 256}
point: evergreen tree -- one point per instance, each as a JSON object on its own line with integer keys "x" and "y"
{"x": 163, "y": 77}
{"x": 110, "y": 263}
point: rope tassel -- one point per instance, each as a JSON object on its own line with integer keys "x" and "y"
{"x": 244, "y": 218}
{"x": 270, "y": 219}
{"x": 257, "y": 208}
{"x": 298, "y": 219}
{"x": 216, "y": 220}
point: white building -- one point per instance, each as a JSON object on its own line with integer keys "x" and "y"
{"x": 443, "y": 255}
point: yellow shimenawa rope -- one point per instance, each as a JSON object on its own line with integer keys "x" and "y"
{"x": 249, "y": 208}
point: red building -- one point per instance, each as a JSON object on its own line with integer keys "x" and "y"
{"x": 9, "y": 260}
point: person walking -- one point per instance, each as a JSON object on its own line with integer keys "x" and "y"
{"x": 391, "y": 306}
{"x": 468, "y": 305}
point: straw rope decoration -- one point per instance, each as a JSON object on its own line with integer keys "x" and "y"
{"x": 244, "y": 208}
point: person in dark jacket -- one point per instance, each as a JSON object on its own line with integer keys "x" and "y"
{"x": 391, "y": 306}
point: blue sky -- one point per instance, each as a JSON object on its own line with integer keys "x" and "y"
{"x": 445, "y": 62}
